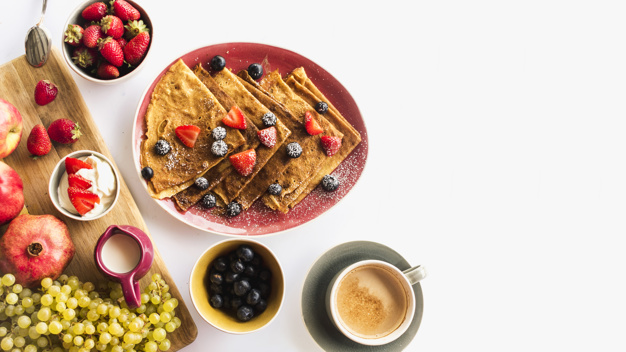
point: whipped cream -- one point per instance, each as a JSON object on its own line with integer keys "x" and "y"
{"x": 103, "y": 184}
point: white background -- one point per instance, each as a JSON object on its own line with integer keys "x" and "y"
{"x": 496, "y": 157}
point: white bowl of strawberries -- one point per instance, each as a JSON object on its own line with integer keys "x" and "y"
{"x": 107, "y": 42}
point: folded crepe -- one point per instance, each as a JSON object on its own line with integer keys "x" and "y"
{"x": 180, "y": 98}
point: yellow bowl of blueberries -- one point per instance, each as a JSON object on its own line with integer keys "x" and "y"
{"x": 238, "y": 286}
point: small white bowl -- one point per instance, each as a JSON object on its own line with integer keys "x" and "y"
{"x": 76, "y": 18}
{"x": 55, "y": 179}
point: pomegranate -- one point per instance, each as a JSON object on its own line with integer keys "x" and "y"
{"x": 35, "y": 247}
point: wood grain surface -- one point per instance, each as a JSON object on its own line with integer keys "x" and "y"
{"x": 17, "y": 85}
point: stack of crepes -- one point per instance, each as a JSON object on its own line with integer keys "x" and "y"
{"x": 184, "y": 96}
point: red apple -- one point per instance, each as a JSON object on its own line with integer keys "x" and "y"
{"x": 11, "y": 193}
{"x": 10, "y": 128}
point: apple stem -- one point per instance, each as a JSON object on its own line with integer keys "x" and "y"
{"x": 34, "y": 249}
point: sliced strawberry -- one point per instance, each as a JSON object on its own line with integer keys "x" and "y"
{"x": 312, "y": 127}
{"x": 235, "y": 119}
{"x": 77, "y": 181}
{"x": 331, "y": 144}
{"x": 82, "y": 200}
{"x": 244, "y": 162}
{"x": 188, "y": 134}
{"x": 72, "y": 165}
{"x": 268, "y": 136}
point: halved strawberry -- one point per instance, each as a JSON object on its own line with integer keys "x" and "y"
{"x": 72, "y": 165}
{"x": 188, "y": 134}
{"x": 82, "y": 200}
{"x": 331, "y": 144}
{"x": 312, "y": 127}
{"x": 235, "y": 119}
{"x": 244, "y": 162}
{"x": 268, "y": 136}
{"x": 77, "y": 181}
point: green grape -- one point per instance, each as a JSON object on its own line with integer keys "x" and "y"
{"x": 152, "y": 286}
{"x": 54, "y": 290}
{"x": 3, "y": 331}
{"x": 55, "y": 327}
{"x": 36, "y": 297}
{"x": 27, "y": 302}
{"x": 9, "y": 311}
{"x": 78, "y": 329}
{"x": 156, "y": 277}
{"x": 19, "y": 310}
{"x": 89, "y": 343}
{"x": 156, "y": 299}
{"x": 134, "y": 326}
{"x": 47, "y": 299}
{"x": 73, "y": 282}
{"x": 66, "y": 323}
{"x": 94, "y": 295}
{"x": 23, "y": 322}
{"x": 141, "y": 309}
{"x": 19, "y": 341}
{"x": 114, "y": 341}
{"x": 7, "y": 342}
{"x": 101, "y": 347}
{"x": 30, "y": 348}
{"x": 69, "y": 314}
{"x": 102, "y": 309}
{"x": 154, "y": 318}
{"x": 92, "y": 315}
{"x": 11, "y": 298}
{"x": 90, "y": 329}
{"x": 145, "y": 298}
{"x": 17, "y": 288}
{"x": 72, "y": 302}
{"x": 44, "y": 314}
{"x": 23, "y": 332}
{"x": 114, "y": 312}
{"x": 8, "y": 280}
{"x": 170, "y": 327}
{"x": 159, "y": 334}
{"x": 150, "y": 346}
{"x": 165, "y": 345}
{"x": 60, "y": 307}
{"x": 62, "y": 297}
{"x": 26, "y": 292}
{"x": 78, "y": 340}
{"x": 46, "y": 282}
{"x": 104, "y": 338}
{"x": 116, "y": 329}
{"x": 102, "y": 327}
{"x": 166, "y": 317}
{"x": 84, "y": 301}
{"x": 68, "y": 338}
{"x": 57, "y": 349}
{"x": 74, "y": 349}
{"x": 88, "y": 286}
{"x": 117, "y": 348}
{"x": 66, "y": 289}
{"x": 41, "y": 328}
{"x": 42, "y": 342}
{"x": 32, "y": 333}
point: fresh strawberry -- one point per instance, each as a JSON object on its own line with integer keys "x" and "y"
{"x": 38, "y": 142}
{"x": 95, "y": 11}
{"x": 235, "y": 119}
{"x": 331, "y": 144}
{"x": 73, "y": 35}
{"x": 188, "y": 134}
{"x": 244, "y": 162}
{"x": 136, "y": 48}
{"x": 125, "y": 11}
{"x": 91, "y": 35}
{"x": 82, "y": 200}
{"x": 122, "y": 42}
{"x": 72, "y": 165}
{"x": 133, "y": 28}
{"x": 112, "y": 26}
{"x": 45, "y": 92}
{"x": 268, "y": 136}
{"x": 84, "y": 57}
{"x": 77, "y": 181}
{"x": 107, "y": 71}
{"x": 64, "y": 131}
{"x": 111, "y": 51}
{"x": 312, "y": 127}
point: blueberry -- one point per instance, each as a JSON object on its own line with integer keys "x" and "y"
{"x": 245, "y": 253}
{"x": 162, "y": 147}
{"x": 220, "y": 264}
{"x": 261, "y": 306}
{"x": 218, "y": 63}
{"x": 147, "y": 172}
{"x": 255, "y": 71}
{"x": 250, "y": 271}
{"x": 217, "y": 289}
{"x": 245, "y": 313}
{"x": 217, "y": 278}
{"x": 237, "y": 267}
{"x": 294, "y": 150}
{"x": 269, "y": 119}
{"x": 265, "y": 275}
{"x": 253, "y": 296}
{"x": 321, "y": 107}
{"x": 217, "y": 301}
{"x": 209, "y": 200}
{"x": 218, "y": 133}
{"x": 233, "y": 209}
{"x": 230, "y": 277}
{"x": 265, "y": 289}
{"x": 202, "y": 183}
{"x": 241, "y": 287}
{"x": 219, "y": 148}
{"x": 235, "y": 302}
{"x": 274, "y": 189}
{"x": 330, "y": 183}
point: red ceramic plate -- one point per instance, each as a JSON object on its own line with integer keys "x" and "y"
{"x": 259, "y": 220}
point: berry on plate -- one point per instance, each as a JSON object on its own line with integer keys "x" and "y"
{"x": 45, "y": 92}
{"x": 274, "y": 189}
{"x": 112, "y": 26}
{"x": 321, "y": 107}
{"x": 218, "y": 133}
{"x": 107, "y": 71}
{"x": 233, "y": 208}
{"x": 188, "y": 134}
{"x": 219, "y": 148}
{"x": 218, "y": 63}
{"x": 64, "y": 131}
{"x": 244, "y": 162}
{"x": 72, "y": 165}
{"x": 91, "y": 35}
{"x": 330, "y": 183}
{"x": 84, "y": 56}
{"x": 331, "y": 144}
{"x": 73, "y": 35}
{"x": 77, "y": 181}
{"x": 136, "y": 48}
{"x": 267, "y": 136}
{"x": 235, "y": 119}
{"x": 312, "y": 127}
{"x": 147, "y": 173}
{"x": 255, "y": 71}
{"x": 83, "y": 200}
{"x": 209, "y": 201}
{"x": 95, "y": 11}
{"x": 38, "y": 142}
{"x": 269, "y": 119}
{"x": 125, "y": 11}
{"x": 162, "y": 147}
{"x": 294, "y": 150}
{"x": 202, "y": 183}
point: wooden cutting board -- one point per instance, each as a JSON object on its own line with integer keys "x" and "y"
{"x": 17, "y": 85}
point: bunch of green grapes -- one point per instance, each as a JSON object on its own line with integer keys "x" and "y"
{"x": 68, "y": 315}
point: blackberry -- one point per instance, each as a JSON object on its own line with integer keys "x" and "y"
{"x": 274, "y": 189}
{"x": 330, "y": 183}
{"x": 321, "y": 107}
{"x": 233, "y": 209}
{"x": 162, "y": 147}
{"x": 218, "y": 133}
{"x": 294, "y": 150}
{"x": 269, "y": 119}
{"x": 218, "y": 63}
{"x": 209, "y": 201}
{"x": 219, "y": 148}
{"x": 147, "y": 173}
{"x": 255, "y": 71}
{"x": 201, "y": 183}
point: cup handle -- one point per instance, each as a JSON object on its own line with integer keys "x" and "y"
{"x": 132, "y": 291}
{"x": 415, "y": 274}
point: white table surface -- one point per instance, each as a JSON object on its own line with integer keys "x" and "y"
{"x": 496, "y": 157}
